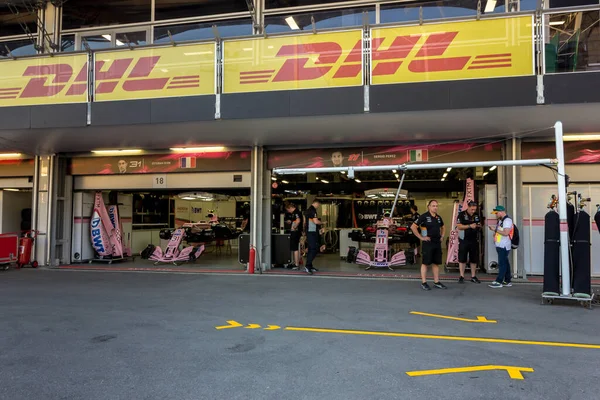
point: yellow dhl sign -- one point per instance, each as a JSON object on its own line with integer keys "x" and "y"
{"x": 47, "y": 80}
{"x": 119, "y": 75}
{"x": 155, "y": 72}
{"x": 293, "y": 62}
{"x": 455, "y": 50}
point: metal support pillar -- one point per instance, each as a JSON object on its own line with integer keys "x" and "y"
{"x": 43, "y": 200}
{"x": 267, "y": 210}
{"x": 562, "y": 211}
{"x": 256, "y": 190}
{"x": 514, "y": 203}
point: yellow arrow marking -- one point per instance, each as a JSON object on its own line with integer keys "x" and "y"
{"x": 441, "y": 337}
{"x": 513, "y": 372}
{"x": 479, "y": 318}
{"x": 252, "y": 326}
{"x": 272, "y": 328}
{"x": 232, "y": 324}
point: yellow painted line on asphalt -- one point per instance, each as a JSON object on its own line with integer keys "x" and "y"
{"x": 513, "y": 372}
{"x": 480, "y": 319}
{"x": 443, "y": 337}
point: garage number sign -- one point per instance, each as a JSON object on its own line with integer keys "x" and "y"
{"x": 159, "y": 181}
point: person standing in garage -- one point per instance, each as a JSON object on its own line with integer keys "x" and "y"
{"x": 294, "y": 217}
{"x": 431, "y": 235}
{"x": 313, "y": 227}
{"x": 468, "y": 247}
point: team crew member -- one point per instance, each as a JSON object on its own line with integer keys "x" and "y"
{"x": 468, "y": 246}
{"x": 295, "y": 219}
{"x": 502, "y": 231}
{"x": 432, "y": 232}
{"x": 312, "y": 236}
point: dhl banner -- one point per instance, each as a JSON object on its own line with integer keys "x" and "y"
{"x": 47, "y": 80}
{"x": 293, "y": 62}
{"x": 156, "y": 72}
{"x": 455, "y": 50}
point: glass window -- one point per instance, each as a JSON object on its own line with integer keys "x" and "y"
{"x": 67, "y": 43}
{"x": 573, "y": 42}
{"x": 87, "y": 13}
{"x": 13, "y": 19}
{"x": 402, "y": 12}
{"x": 18, "y": 48}
{"x": 171, "y": 9}
{"x": 528, "y": 5}
{"x": 572, "y": 3}
{"x": 323, "y": 19}
{"x": 298, "y": 3}
{"x": 96, "y": 42}
{"x": 202, "y": 31}
{"x": 131, "y": 38}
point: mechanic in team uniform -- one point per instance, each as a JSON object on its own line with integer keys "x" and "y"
{"x": 468, "y": 224}
{"x": 431, "y": 235}
{"x": 295, "y": 221}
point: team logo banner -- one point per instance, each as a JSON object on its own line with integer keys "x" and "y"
{"x": 48, "y": 80}
{"x": 155, "y": 72}
{"x": 454, "y": 50}
{"x": 293, "y": 62}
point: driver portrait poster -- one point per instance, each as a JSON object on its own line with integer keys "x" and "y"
{"x": 162, "y": 163}
{"x": 353, "y": 157}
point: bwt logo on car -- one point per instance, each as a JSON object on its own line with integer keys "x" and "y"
{"x": 96, "y": 234}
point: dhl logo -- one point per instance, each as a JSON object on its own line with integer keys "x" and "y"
{"x": 428, "y": 57}
{"x": 51, "y": 80}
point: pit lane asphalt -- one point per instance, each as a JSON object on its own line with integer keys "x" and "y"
{"x": 99, "y": 335}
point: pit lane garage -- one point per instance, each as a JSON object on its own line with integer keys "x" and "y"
{"x": 352, "y": 207}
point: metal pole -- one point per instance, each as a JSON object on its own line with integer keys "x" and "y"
{"x": 515, "y": 263}
{"x": 255, "y": 199}
{"x": 50, "y": 208}
{"x": 35, "y": 201}
{"x": 397, "y": 195}
{"x": 407, "y": 167}
{"x": 562, "y": 210}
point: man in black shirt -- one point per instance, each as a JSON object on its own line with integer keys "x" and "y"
{"x": 313, "y": 228}
{"x": 432, "y": 232}
{"x": 468, "y": 225}
{"x": 294, "y": 218}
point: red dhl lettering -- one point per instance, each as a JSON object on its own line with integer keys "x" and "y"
{"x": 428, "y": 58}
{"x": 54, "y": 79}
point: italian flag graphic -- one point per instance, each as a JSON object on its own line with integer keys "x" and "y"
{"x": 417, "y": 155}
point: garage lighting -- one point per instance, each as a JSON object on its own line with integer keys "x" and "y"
{"x": 397, "y": 176}
{"x": 292, "y": 23}
{"x": 286, "y": 182}
{"x": 11, "y": 190}
{"x": 448, "y": 169}
{"x": 485, "y": 173}
{"x": 188, "y": 198}
{"x": 357, "y": 181}
{"x": 554, "y": 23}
{"x": 394, "y": 171}
{"x": 10, "y": 155}
{"x": 492, "y": 168}
{"x": 445, "y": 174}
{"x": 577, "y": 138}
{"x": 443, "y": 179}
{"x": 207, "y": 149}
{"x": 273, "y": 178}
{"x": 324, "y": 181}
{"x": 343, "y": 172}
{"x": 130, "y": 151}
